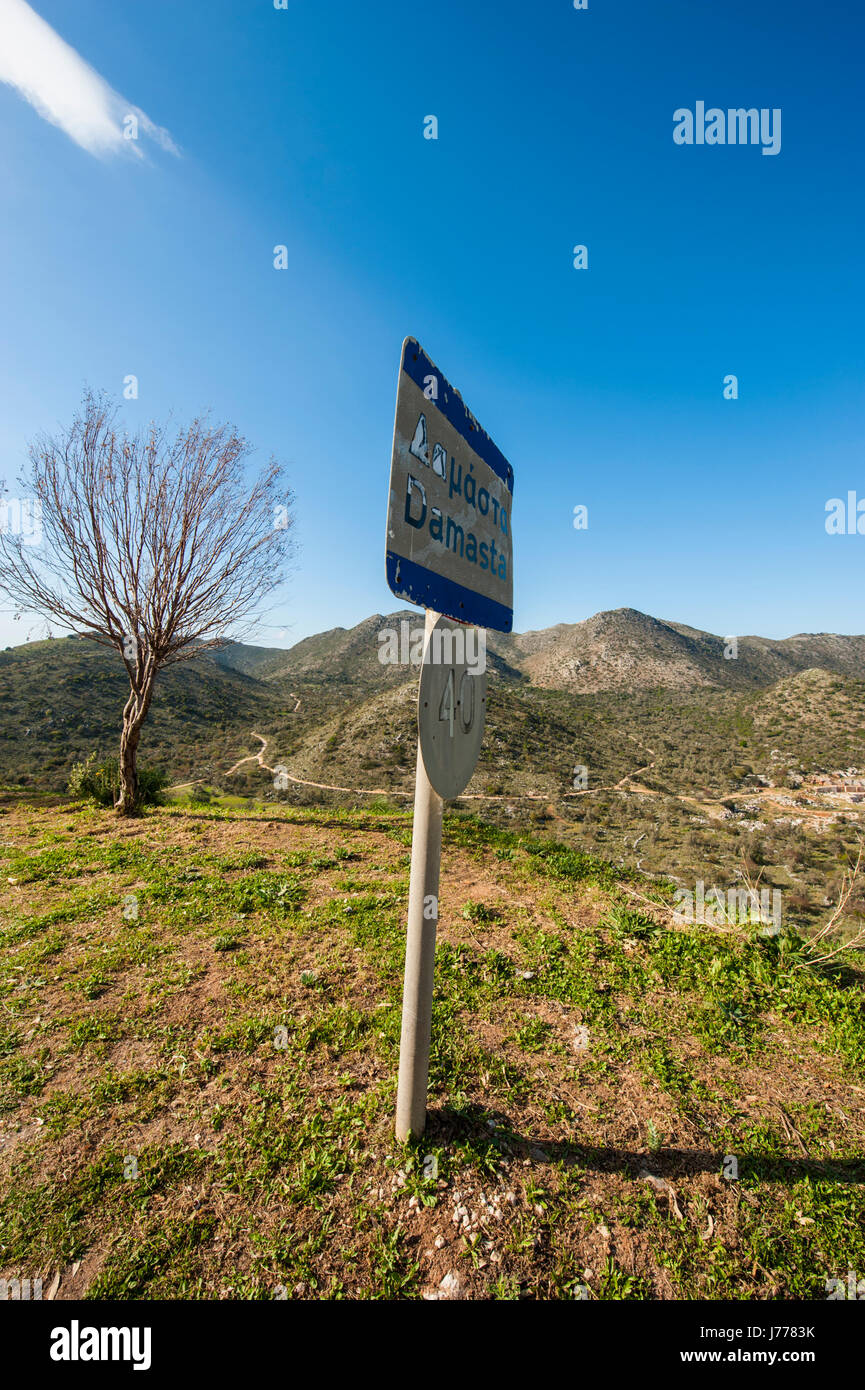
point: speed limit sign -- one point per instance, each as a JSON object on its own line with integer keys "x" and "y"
{"x": 451, "y": 709}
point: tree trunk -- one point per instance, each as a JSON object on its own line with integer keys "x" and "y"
{"x": 134, "y": 715}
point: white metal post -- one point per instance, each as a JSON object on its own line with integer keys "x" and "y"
{"x": 414, "y": 1047}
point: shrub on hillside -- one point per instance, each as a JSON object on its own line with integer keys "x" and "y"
{"x": 100, "y": 782}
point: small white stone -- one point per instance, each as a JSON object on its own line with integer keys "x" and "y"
{"x": 450, "y": 1285}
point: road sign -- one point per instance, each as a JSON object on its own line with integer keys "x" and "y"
{"x": 449, "y": 533}
{"x": 450, "y": 711}
{"x": 449, "y": 549}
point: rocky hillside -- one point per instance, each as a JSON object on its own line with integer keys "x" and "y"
{"x": 618, "y": 650}
{"x": 628, "y": 650}
{"x": 598, "y": 692}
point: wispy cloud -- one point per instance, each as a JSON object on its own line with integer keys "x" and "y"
{"x": 68, "y": 92}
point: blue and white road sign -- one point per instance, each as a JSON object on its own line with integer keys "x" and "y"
{"x": 449, "y": 543}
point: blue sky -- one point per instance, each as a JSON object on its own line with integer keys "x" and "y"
{"x": 604, "y": 386}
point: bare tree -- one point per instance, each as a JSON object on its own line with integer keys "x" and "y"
{"x": 155, "y": 544}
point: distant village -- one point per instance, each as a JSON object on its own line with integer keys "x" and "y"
{"x": 849, "y": 784}
{"x": 824, "y": 784}
{"x": 826, "y": 788}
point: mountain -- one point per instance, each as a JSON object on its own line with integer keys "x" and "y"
{"x": 619, "y": 650}
{"x": 599, "y": 692}
{"x": 628, "y": 650}
{"x": 63, "y": 698}
{"x": 347, "y": 656}
{"x": 694, "y": 765}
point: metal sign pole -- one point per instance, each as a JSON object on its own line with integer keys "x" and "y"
{"x": 423, "y": 905}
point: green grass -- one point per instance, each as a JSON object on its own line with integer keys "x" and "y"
{"x": 239, "y": 1041}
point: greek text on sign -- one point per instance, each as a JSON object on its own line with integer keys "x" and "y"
{"x": 449, "y": 539}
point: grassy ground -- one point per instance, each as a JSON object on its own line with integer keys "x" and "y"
{"x": 199, "y": 1026}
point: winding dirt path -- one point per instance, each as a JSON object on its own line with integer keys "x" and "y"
{"x": 281, "y": 770}
{"x": 708, "y": 807}
{"x": 253, "y": 757}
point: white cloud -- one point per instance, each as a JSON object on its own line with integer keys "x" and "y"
{"x": 65, "y": 90}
